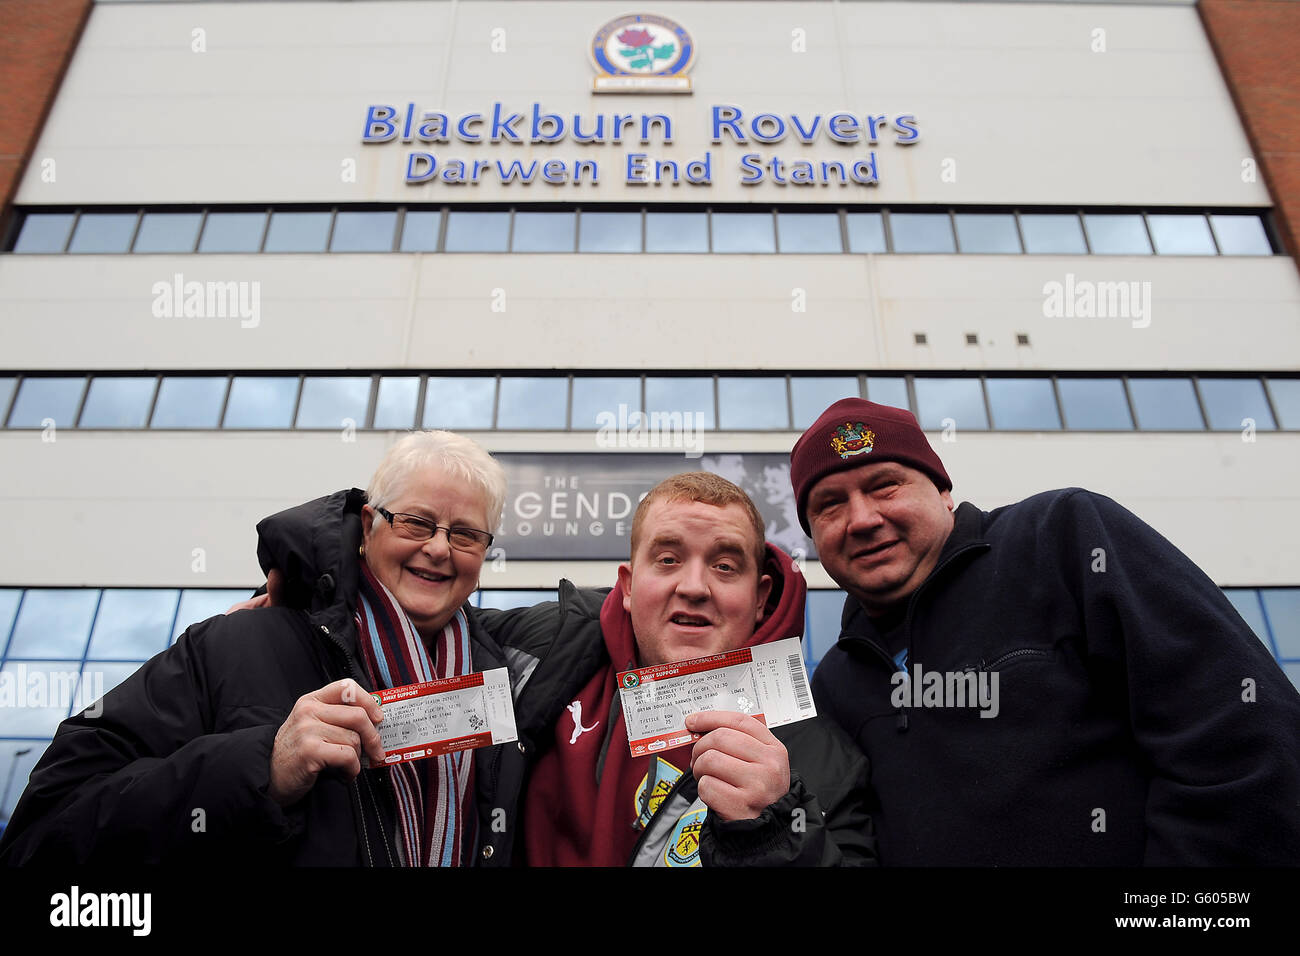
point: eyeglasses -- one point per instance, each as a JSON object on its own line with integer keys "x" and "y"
{"x": 422, "y": 529}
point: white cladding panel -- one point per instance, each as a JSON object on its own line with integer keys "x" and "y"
{"x": 653, "y": 312}
{"x": 130, "y": 509}
{"x": 1015, "y": 103}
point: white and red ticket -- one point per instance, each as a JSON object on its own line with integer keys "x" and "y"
{"x": 768, "y": 682}
{"x": 442, "y": 716}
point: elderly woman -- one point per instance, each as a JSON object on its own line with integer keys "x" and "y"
{"x": 245, "y": 741}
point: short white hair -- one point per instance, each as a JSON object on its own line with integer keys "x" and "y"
{"x": 461, "y": 457}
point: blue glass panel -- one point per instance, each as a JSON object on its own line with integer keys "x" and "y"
{"x": 866, "y": 231}
{"x": 232, "y": 232}
{"x": 54, "y": 623}
{"x": 168, "y": 232}
{"x": 363, "y": 232}
{"x": 505, "y": 600}
{"x": 333, "y": 402}
{"x": 1023, "y": 403}
{"x": 1181, "y": 235}
{"x": 1165, "y": 404}
{"x": 298, "y": 232}
{"x": 132, "y": 624}
{"x": 809, "y": 232}
{"x": 1052, "y": 233}
{"x": 1286, "y": 400}
{"x": 261, "y": 402}
{"x": 812, "y": 396}
{"x": 1241, "y": 236}
{"x": 922, "y": 232}
{"x": 395, "y": 407}
{"x": 45, "y": 232}
{"x": 593, "y": 396}
{"x": 199, "y": 604}
{"x": 743, "y": 232}
{"x": 117, "y": 403}
{"x": 1095, "y": 404}
{"x": 42, "y": 398}
{"x": 189, "y": 402}
{"x": 420, "y": 231}
{"x": 459, "y": 402}
{"x": 958, "y": 399}
{"x": 888, "y": 390}
{"x": 543, "y": 232}
{"x": 103, "y": 232}
{"x": 1282, "y": 605}
{"x": 694, "y": 395}
{"x": 609, "y": 232}
{"x": 477, "y": 231}
{"x": 824, "y": 610}
{"x": 676, "y": 232}
{"x": 533, "y": 402}
{"x": 1117, "y": 235}
{"x": 746, "y": 403}
{"x": 987, "y": 232}
{"x": 1229, "y": 401}
{"x": 49, "y": 690}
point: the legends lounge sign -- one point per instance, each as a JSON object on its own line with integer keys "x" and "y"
{"x": 567, "y": 507}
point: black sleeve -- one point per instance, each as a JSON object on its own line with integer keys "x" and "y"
{"x": 146, "y": 779}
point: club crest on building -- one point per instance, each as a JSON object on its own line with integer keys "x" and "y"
{"x": 852, "y": 439}
{"x": 642, "y": 53}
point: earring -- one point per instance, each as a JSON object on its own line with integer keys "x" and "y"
{"x": 361, "y": 551}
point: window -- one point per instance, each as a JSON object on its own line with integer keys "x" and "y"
{"x": 956, "y": 400}
{"x": 45, "y": 232}
{"x": 1241, "y": 236}
{"x": 1286, "y": 399}
{"x": 261, "y": 402}
{"x": 533, "y": 403}
{"x": 103, "y": 232}
{"x": 420, "y": 231}
{"x": 1095, "y": 404}
{"x": 592, "y": 396}
{"x": 333, "y": 402}
{"x": 54, "y": 623}
{"x": 694, "y": 395}
{"x": 6, "y": 393}
{"x": 543, "y": 232}
{"x": 190, "y": 402}
{"x": 1165, "y": 404}
{"x": 888, "y": 390}
{"x": 233, "y": 232}
{"x": 743, "y": 232}
{"x": 395, "y": 407}
{"x": 1181, "y": 235}
{"x": 118, "y": 403}
{"x": 459, "y": 402}
{"x": 922, "y": 232}
{"x": 866, "y": 231}
{"x": 1023, "y": 403}
{"x": 676, "y": 232}
{"x": 987, "y": 232}
{"x": 751, "y": 403}
{"x": 1282, "y": 606}
{"x": 609, "y": 232}
{"x": 364, "y": 232}
{"x": 47, "y": 398}
{"x": 1229, "y": 401}
{"x": 298, "y": 232}
{"x": 809, "y": 232}
{"x": 1052, "y": 233}
{"x": 132, "y": 624}
{"x": 477, "y": 231}
{"x": 812, "y": 396}
{"x": 1117, "y": 235}
{"x": 199, "y": 605}
{"x": 168, "y": 232}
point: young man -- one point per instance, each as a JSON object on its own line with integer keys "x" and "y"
{"x": 700, "y": 581}
{"x": 1048, "y": 683}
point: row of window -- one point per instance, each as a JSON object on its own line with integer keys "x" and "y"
{"x": 476, "y": 230}
{"x": 61, "y": 649}
{"x": 1041, "y": 402}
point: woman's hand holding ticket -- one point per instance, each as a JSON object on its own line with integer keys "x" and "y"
{"x": 330, "y": 727}
{"x": 739, "y": 766}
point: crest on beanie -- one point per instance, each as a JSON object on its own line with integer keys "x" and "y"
{"x": 852, "y": 439}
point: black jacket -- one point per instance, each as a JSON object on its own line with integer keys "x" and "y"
{"x": 177, "y": 767}
{"x": 828, "y": 772}
{"x": 1139, "y": 719}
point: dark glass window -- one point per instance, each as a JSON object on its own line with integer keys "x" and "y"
{"x": 132, "y": 624}
{"x": 232, "y": 232}
{"x": 117, "y": 403}
{"x": 364, "y": 232}
{"x": 866, "y": 231}
{"x": 261, "y": 402}
{"x": 200, "y": 604}
{"x": 1052, "y": 233}
{"x": 745, "y": 403}
{"x": 298, "y": 232}
{"x": 54, "y": 623}
{"x": 329, "y": 402}
{"x": 1023, "y": 403}
{"x": 1181, "y": 235}
{"x": 477, "y": 231}
{"x": 103, "y": 232}
{"x": 533, "y": 402}
{"x": 1241, "y": 236}
{"x": 743, "y": 232}
{"x": 189, "y": 402}
{"x": 1117, "y": 234}
{"x": 676, "y": 232}
{"x": 987, "y": 232}
{"x": 1282, "y": 605}
{"x": 958, "y": 399}
{"x": 42, "y": 398}
{"x": 45, "y": 232}
{"x": 395, "y": 406}
{"x": 812, "y": 396}
{"x": 592, "y": 396}
{"x": 168, "y": 232}
{"x": 420, "y": 231}
{"x": 456, "y": 402}
{"x": 1095, "y": 404}
{"x": 694, "y": 395}
{"x": 609, "y": 232}
{"x": 543, "y": 232}
{"x": 1230, "y": 400}
{"x": 922, "y": 232}
{"x": 809, "y": 232}
{"x": 1165, "y": 404}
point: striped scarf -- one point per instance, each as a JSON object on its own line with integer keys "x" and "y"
{"x": 437, "y": 823}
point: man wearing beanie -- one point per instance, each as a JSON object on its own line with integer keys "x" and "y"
{"x": 1049, "y": 683}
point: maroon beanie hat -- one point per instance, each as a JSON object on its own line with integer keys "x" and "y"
{"x": 855, "y": 432}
